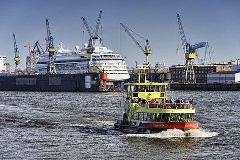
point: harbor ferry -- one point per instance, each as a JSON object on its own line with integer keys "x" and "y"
{"x": 146, "y": 108}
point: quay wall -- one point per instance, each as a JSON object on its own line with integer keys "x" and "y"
{"x": 206, "y": 87}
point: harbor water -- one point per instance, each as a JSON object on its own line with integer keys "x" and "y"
{"x": 63, "y": 125}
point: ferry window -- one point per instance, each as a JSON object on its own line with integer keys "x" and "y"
{"x": 141, "y": 116}
{"x": 135, "y": 94}
{"x": 135, "y": 115}
{"x": 162, "y": 94}
{"x": 156, "y": 88}
{"x": 137, "y": 88}
{"x": 174, "y": 117}
{"x": 142, "y": 88}
{"x": 150, "y": 88}
{"x": 151, "y": 116}
{"x": 129, "y": 88}
{"x": 145, "y": 115}
{"x": 134, "y": 88}
{"x": 162, "y": 88}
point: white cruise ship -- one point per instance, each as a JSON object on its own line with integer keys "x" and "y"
{"x": 93, "y": 57}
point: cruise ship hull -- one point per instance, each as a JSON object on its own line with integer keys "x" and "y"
{"x": 88, "y": 82}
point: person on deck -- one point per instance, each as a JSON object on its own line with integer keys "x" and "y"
{"x": 152, "y": 101}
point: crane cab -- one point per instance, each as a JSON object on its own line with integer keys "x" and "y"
{"x": 190, "y": 56}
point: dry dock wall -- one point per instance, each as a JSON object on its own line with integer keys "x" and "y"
{"x": 206, "y": 87}
{"x": 57, "y": 82}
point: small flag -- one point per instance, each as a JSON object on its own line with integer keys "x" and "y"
{"x": 177, "y": 50}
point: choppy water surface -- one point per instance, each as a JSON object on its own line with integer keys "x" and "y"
{"x": 49, "y": 125}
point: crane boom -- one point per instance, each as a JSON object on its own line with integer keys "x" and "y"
{"x": 39, "y": 48}
{"x": 198, "y": 45}
{"x": 98, "y": 24}
{"x": 185, "y": 44}
{"x": 182, "y": 34}
{"x": 147, "y": 49}
{"x": 130, "y": 35}
{"x": 87, "y": 27}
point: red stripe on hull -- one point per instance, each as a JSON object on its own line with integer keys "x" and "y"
{"x": 170, "y": 125}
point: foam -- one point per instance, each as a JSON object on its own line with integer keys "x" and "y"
{"x": 173, "y": 133}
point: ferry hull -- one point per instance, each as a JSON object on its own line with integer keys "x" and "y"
{"x": 169, "y": 125}
{"x": 150, "y": 127}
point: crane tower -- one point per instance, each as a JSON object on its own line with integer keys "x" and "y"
{"x": 190, "y": 54}
{"x": 16, "y": 52}
{"x": 51, "y": 50}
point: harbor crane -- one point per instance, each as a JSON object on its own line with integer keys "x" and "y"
{"x": 190, "y": 54}
{"x": 31, "y": 59}
{"x": 94, "y": 39}
{"x": 51, "y": 50}
{"x": 147, "y": 50}
{"x": 28, "y": 58}
{"x": 16, "y": 52}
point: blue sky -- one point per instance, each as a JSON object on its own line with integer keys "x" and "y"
{"x": 213, "y": 21}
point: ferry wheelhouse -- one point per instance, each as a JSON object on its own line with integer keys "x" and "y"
{"x": 147, "y": 108}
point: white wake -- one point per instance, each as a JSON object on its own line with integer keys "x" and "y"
{"x": 173, "y": 133}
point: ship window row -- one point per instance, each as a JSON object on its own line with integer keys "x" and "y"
{"x": 76, "y": 60}
{"x": 117, "y": 73}
{"x": 147, "y": 88}
{"x": 221, "y": 78}
{"x": 113, "y": 65}
{"x": 107, "y": 59}
{"x": 162, "y": 117}
{"x": 107, "y": 56}
{"x": 119, "y": 70}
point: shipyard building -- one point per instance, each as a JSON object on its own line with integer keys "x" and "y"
{"x": 201, "y": 72}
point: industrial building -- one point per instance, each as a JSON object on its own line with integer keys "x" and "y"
{"x": 201, "y": 71}
{"x": 224, "y": 77}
